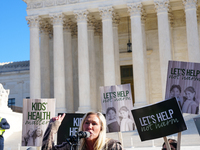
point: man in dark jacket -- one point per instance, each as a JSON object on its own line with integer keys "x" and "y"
{"x": 3, "y": 125}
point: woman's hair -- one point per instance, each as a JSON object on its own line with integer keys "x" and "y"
{"x": 171, "y": 142}
{"x": 124, "y": 108}
{"x": 175, "y": 86}
{"x": 35, "y": 134}
{"x": 100, "y": 142}
{"x": 190, "y": 89}
{"x": 110, "y": 108}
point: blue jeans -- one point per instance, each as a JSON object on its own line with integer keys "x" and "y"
{"x": 1, "y": 142}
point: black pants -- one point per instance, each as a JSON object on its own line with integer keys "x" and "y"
{"x": 1, "y": 142}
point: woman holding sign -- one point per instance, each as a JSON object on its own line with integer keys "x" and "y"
{"x": 94, "y": 123}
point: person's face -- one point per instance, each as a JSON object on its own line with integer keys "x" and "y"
{"x": 171, "y": 146}
{"x": 124, "y": 114}
{"x": 189, "y": 95}
{"x": 108, "y": 116}
{"x": 31, "y": 132}
{"x": 175, "y": 92}
{"x": 112, "y": 114}
{"x": 38, "y": 132}
{"x": 92, "y": 124}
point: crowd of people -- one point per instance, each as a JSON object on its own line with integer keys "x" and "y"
{"x": 93, "y": 122}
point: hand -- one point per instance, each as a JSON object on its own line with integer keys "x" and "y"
{"x": 59, "y": 118}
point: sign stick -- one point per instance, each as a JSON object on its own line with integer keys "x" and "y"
{"x": 179, "y": 141}
{"x": 166, "y": 143}
{"x": 120, "y": 137}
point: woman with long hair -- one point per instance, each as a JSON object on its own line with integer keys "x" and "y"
{"x": 190, "y": 104}
{"x": 93, "y": 123}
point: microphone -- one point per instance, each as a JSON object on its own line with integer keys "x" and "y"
{"x": 82, "y": 134}
{"x": 75, "y": 138}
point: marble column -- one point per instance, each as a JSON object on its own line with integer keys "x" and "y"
{"x": 75, "y": 65}
{"x": 35, "y": 84}
{"x": 164, "y": 40}
{"x": 51, "y": 62}
{"x": 59, "y": 70}
{"x": 83, "y": 62}
{"x": 116, "y": 49}
{"x": 45, "y": 59}
{"x": 99, "y": 61}
{"x": 143, "y": 21}
{"x": 108, "y": 46}
{"x": 68, "y": 66}
{"x": 137, "y": 54}
{"x": 171, "y": 23}
{"x": 192, "y": 30}
{"x": 92, "y": 63}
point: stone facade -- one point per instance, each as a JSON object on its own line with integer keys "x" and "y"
{"x": 78, "y": 45}
{"x": 94, "y": 33}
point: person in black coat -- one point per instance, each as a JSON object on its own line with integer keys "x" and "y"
{"x": 3, "y": 125}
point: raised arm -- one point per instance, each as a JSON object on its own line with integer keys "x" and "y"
{"x": 48, "y": 140}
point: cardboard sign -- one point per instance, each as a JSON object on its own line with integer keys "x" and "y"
{"x": 69, "y": 126}
{"x": 117, "y": 105}
{"x": 183, "y": 82}
{"x": 36, "y": 116}
{"x": 159, "y": 120}
{"x": 197, "y": 123}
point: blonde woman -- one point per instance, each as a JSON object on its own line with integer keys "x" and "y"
{"x": 92, "y": 122}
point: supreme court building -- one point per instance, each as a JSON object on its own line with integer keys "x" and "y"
{"x": 78, "y": 45}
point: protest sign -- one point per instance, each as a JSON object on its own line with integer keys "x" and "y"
{"x": 197, "y": 123}
{"x": 36, "y": 116}
{"x": 117, "y": 105}
{"x": 159, "y": 120}
{"x": 183, "y": 82}
{"x": 69, "y": 126}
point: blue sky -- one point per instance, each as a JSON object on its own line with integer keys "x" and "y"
{"x": 14, "y": 31}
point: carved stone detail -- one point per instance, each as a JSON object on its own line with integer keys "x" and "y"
{"x": 97, "y": 28}
{"x": 50, "y": 32}
{"x": 106, "y": 12}
{"x": 74, "y": 30}
{"x": 91, "y": 21}
{"x": 143, "y": 17}
{"x": 3, "y": 97}
{"x": 73, "y": 1}
{"x": 57, "y": 18}
{"x": 49, "y": 3}
{"x": 116, "y": 20}
{"x": 67, "y": 24}
{"x": 135, "y": 8}
{"x": 33, "y": 21}
{"x": 28, "y": 6}
{"x": 81, "y": 15}
{"x": 161, "y": 5}
{"x": 171, "y": 18}
{"x": 37, "y": 5}
{"x": 44, "y": 26}
{"x": 61, "y": 2}
{"x": 190, "y": 4}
